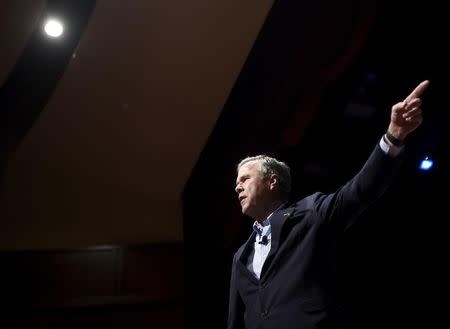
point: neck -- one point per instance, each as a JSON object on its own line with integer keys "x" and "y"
{"x": 270, "y": 209}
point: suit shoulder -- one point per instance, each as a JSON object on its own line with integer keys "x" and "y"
{"x": 305, "y": 205}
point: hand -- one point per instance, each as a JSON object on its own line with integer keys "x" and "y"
{"x": 406, "y": 116}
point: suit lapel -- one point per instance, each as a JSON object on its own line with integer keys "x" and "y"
{"x": 243, "y": 257}
{"x": 277, "y": 222}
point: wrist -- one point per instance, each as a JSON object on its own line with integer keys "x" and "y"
{"x": 392, "y": 139}
{"x": 397, "y": 132}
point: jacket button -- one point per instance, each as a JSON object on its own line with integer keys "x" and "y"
{"x": 264, "y": 313}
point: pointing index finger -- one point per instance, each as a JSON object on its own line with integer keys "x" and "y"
{"x": 418, "y": 91}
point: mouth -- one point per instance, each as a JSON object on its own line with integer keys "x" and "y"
{"x": 241, "y": 198}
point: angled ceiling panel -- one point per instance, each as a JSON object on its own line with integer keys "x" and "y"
{"x": 107, "y": 159}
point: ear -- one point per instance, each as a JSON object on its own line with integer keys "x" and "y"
{"x": 273, "y": 181}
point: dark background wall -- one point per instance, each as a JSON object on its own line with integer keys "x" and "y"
{"x": 323, "y": 117}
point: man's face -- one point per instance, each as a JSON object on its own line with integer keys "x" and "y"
{"x": 253, "y": 191}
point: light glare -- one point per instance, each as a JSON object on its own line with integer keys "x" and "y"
{"x": 426, "y": 164}
{"x": 53, "y": 28}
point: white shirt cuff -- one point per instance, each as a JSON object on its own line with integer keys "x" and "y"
{"x": 392, "y": 150}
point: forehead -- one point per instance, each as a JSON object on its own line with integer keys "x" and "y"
{"x": 248, "y": 169}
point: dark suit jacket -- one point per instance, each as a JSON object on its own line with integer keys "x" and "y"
{"x": 298, "y": 287}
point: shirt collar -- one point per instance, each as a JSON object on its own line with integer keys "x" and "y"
{"x": 264, "y": 228}
{"x": 260, "y": 228}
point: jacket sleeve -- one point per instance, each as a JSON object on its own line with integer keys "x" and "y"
{"x": 350, "y": 200}
{"x": 236, "y": 307}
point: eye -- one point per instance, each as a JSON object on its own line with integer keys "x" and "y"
{"x": 241, "y": 180}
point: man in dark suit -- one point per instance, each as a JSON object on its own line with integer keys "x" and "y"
{"x": 284, "y": 276}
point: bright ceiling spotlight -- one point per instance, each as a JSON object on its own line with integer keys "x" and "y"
{"x": 53, "y": 28}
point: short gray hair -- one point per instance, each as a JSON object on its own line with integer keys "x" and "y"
{"x": 270, "y": 166}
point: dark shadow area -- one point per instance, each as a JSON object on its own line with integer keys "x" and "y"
{"x": 137, "y": 286}
{"x": 393, "y": 255}
{"x": 392, "y": 265}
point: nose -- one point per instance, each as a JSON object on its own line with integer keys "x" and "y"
{"x": 238, "y": 188}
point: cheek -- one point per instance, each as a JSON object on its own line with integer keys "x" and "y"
{"x": 253, "y": 191}
{"x": 248, "y": 190}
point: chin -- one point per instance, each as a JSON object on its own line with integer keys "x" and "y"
{"x": 245, "y": 211}
{"x": 248, "y": 213}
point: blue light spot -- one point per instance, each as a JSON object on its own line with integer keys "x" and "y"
{"x": 426, "y": 164}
